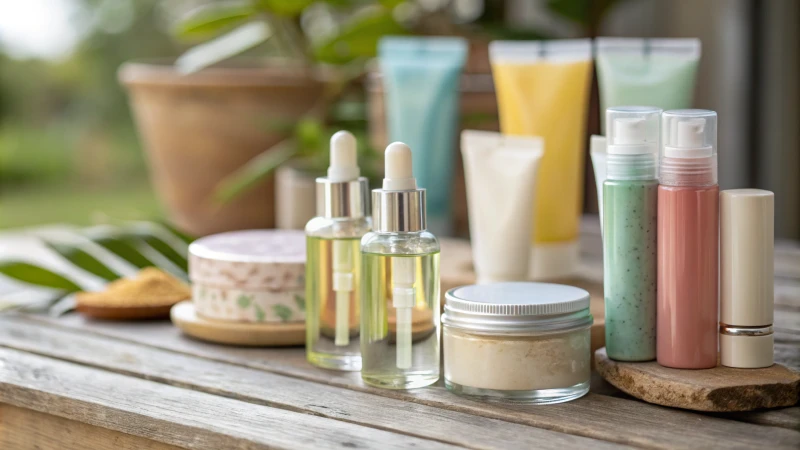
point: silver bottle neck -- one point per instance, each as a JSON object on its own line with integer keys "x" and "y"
{"x": 346, "y": 199}
{"x": 398, "y": 211}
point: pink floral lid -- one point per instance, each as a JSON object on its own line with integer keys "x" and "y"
{"x": 271, "y": 260}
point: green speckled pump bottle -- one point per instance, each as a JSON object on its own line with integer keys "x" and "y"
{"x": 630, "y": 202}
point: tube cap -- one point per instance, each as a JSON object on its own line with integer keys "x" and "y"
{"x": 746, "y": 277}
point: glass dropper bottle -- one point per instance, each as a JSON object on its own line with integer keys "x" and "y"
{"x": 400, "y": 292}
{"x": 333, "y": 260}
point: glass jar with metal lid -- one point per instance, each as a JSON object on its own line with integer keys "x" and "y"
{"x": 521, "y": 342}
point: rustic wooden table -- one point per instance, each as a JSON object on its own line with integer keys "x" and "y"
{"x": 72, "y": 383}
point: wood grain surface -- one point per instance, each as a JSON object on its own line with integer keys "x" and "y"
{"x": 26, "y": 429}
{"x": 616, "y": 419}
{"x": 259, "y": 387}
{"x": 110, "y": 384}
{"x": 172, "y": 415}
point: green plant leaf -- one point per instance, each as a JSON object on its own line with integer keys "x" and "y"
{"x": 289, "y": 8}
{"x": 124, "y": 249}
{"x": 581, "y": 11}
{"x": 301, "y": 302}
{"x": 254, "y": 171}
{"x": 39, "y": 276}
{"x": 83, "y": 260}
{"x": 211, "y": 19}
{"x": 391, "y": 3}
{"x": 180, "y": 234}
{"x": 223, "y": 47}
{"x": 167, "y": 250}
{"x": 359, "y": 38}
{"x": 282, "y": 311}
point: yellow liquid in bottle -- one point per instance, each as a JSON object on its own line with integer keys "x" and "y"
{"x": 380, "y": 342}
{"x": 332, "y": 343}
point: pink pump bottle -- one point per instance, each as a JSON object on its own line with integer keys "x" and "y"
{"x": 688, "y": 241}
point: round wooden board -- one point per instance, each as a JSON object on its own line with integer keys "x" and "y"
{"x": 721, "y": 389}
{"x": 236, "y": 333}
{"x": 124, "y": 313}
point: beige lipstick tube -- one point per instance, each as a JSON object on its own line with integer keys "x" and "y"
{"x": 746, "y": 278}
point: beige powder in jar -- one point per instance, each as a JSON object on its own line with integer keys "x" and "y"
{"x": 517, "y": 363}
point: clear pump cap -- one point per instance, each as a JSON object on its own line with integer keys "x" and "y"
{"x": 689, "y": 153}
{"x": 632, "y": 135}
{"x": 690, "y": 133}
{"x": 632, "y": 130}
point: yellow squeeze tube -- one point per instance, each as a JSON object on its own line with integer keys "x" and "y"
{"x": 543, "y": 90}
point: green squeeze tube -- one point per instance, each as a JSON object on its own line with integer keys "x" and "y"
{"x": 630, "y": 199}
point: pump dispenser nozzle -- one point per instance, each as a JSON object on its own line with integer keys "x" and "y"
{"x": 633, "y": 134}
{"x": 689, "y": 157}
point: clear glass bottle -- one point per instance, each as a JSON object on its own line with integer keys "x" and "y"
{"x": 333, "y": 261}
{"x": 400, "y": 300}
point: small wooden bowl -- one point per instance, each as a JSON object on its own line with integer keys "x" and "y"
{"x": 125, "y": 312}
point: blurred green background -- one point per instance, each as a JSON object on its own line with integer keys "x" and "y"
{"x": 69, "y": 152}
{"x": 68, "y": 148}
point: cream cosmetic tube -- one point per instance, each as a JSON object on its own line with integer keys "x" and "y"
{"x": 543, "y": 90}
{"x": 597, "y": 150}
{"x": 653, "y": 72}
{"x": 500, "y": 172}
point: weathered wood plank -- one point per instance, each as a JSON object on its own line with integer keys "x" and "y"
{"x": 22, "y": 428}
{"x": 173, "y": 415}
{"x": 786, "y": 417}
{"x": 256, "y": 386}
{"x": 596, "y": 416}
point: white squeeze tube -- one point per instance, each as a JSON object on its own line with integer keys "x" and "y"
{"x": 343, "y": 168}
{"x": 399, "y": 177}
{"x": 501, "y": 174}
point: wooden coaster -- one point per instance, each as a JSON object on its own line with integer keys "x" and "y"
{"x": 456, "y": 270}
{"x": 124, "y": 312}
{"x": 721, "y": 389}
{"x": 183, "y": 315}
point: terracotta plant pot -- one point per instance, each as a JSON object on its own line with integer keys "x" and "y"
{"x": 198, "y": 128}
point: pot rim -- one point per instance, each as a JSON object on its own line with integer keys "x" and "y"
{"x": 241, "y": 72}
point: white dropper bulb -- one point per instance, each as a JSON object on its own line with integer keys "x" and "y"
{"x": 344, "y": 163}
{"x": 398, "y": 173}
{"x": 343, "y": 168}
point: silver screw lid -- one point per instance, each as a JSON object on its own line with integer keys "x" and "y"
{"x": 346, "y": 199}
{"x": 517, "y": 306}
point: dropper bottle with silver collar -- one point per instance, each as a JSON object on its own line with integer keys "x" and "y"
{"x": 400, "y": 291}
{"x": 333, "y": 261}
